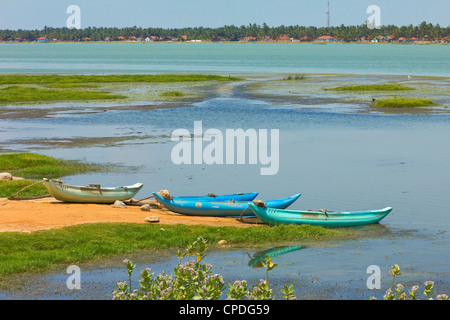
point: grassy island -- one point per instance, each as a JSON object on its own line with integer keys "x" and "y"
{"x": 402, "y": 102}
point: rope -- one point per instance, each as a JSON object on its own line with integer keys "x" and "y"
{"x": 28, "y": 198}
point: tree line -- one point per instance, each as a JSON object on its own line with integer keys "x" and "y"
{"x": 230, "y": 32}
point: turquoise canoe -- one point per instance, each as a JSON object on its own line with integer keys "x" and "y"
{"x": 225, "y": 197}
{"x": 273, "y": 216}
{"x": 219, "y": 208}
{"x": 91, "y": 193}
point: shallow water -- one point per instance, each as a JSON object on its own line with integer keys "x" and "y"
{"x": 337, "y": 158}
{"x": 340, "y": 154}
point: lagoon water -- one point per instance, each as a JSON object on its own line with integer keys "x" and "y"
{"x": 337, "y": 158}
{"x": 430, "y": 60}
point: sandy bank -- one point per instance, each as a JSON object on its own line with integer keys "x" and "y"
{"x": 49, "y": 213}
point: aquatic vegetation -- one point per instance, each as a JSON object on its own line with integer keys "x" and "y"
{"x": 399, "y": 293}
{"x": 47, "y": 79}
{"x": 172, "y": 94}
{"x": 14, "y": 94}
{"x": 402, "y": 102}
{"x": 372, "y": 87}
{"x": 295, "y": 77}
{"x": 193, "y": 280}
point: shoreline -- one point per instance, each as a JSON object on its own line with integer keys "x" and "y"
{"x": 28, "y": 216}
{"x": 240, "y": 41}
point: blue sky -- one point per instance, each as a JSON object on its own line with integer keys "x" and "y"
{"x": 34, "y": 14}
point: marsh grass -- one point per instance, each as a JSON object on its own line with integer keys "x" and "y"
{"x": 35, "y": 166}
{"x": 373, "y": 87}
{"x": 13, "y": 94}
{"x": 172, "y": 94}
{"x": 83, "y": 79}
{"x": 32, "y": 166}
{"x": 403, "y": 102}
{"x": 43, "y": 250}
{"x": 295, "y": 77}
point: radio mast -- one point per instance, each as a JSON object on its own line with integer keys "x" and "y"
{"x": 328, "y": 15}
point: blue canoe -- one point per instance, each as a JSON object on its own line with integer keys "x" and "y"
{"x": 226, "y": 197}
{"x": 273, "y": 216}
{"x": 219, "y": 208}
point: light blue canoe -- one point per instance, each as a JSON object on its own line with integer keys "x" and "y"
{"x": 91, "y": 193}
{"x": 273, "y": 216}
{"x": 225, "y": 197}
{"x": 219, "y": 208}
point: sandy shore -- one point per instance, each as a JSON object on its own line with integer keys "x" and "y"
{"x": 49, "y": 213}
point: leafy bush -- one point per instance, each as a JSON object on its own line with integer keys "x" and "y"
{"x": 398, "y": 293}
{"x": 192, "y": 280}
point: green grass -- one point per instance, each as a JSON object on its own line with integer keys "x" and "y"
{"x": 402, "y": 102}
{"x": 30, "y": 94}
{"x": 32, "y": 165}
{"x": 172, "y": 93}
{"x": 8, "y": 188}
{"x": 43, "y": 250}
{"x": 56, "y": 78}
{"x": 373, "y": 87}
{"x": 35, "y": 166}
{"x": 56, "y": 87}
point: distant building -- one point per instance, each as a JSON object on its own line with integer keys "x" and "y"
{"x": 305, "y": 39}
{"x": 285, "y": 38}
{"x": 120, "y": 38}
{"x": 42, "y": 39}
{"x": 249, "y": 39}
{"x": 326, "y": 39}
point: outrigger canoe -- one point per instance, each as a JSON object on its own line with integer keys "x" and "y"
{"x": 218, "y": 208}
{"x": 91, "y": 193}
{"x": 273, "y": 216}
{"x": 225, "y": 197}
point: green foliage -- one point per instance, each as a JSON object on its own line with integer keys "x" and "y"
{"x": 172, "y": 94}
{"x": 8, "y": 188}
{"x": 295, "y": 77}
{"x": 402, "y": 102}
{"x": 45, "y": 249}
{"x": 82, "y": 80}
{"x": 398, "y": 293}
{"x": 230, "y": 32}
{"x": 14, "y": 94}
{"x": 192, "y": 280}
{"x": 36, "y": 166}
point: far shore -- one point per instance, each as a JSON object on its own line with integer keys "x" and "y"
{"x": 423, "y": 42}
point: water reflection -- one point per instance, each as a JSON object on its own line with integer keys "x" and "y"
{"x": 259, "y": 257}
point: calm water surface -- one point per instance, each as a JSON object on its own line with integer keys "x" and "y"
{"x": 338, "y": 159}
{"x": 430, "y": 60}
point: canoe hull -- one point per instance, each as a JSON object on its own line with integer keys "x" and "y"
{"x": 79, "y": 194}
{"x": 218, "y": 209}
{"x": 330, "y": 219}
{"x": 226, "y": 197}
